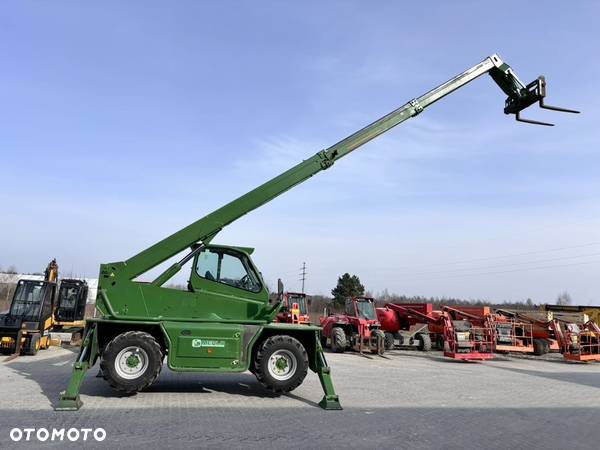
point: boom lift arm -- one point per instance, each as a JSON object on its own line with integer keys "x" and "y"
{"x": 520, "y": 96}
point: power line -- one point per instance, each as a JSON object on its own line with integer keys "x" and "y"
{"x": 496, "y": 266}
{"x": 488, "y": 258}
{"x": 524, "y": 269}
{"x": 303, "y": 275}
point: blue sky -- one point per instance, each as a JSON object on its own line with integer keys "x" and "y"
{"x": 124, "y": 121}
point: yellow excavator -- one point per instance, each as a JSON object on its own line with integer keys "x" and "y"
{"x": 40, "y": 307}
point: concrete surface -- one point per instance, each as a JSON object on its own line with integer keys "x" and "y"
{"x": 409, "y": 400}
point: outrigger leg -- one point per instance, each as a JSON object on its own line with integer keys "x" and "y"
{"x": 69, "y": 399}
{"x": 330, "y": 400}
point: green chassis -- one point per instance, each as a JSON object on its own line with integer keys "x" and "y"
{"x": 90, "y": 351}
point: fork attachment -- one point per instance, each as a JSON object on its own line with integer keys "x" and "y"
{"x": 534, "y": 92}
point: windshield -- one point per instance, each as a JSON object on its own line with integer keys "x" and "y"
{"x": 300, "y": 299}
{"x": 228, "y": 268}
{"x": 67, "y": 296}
{"x": 28, "y": 299}
{"x": 365, "y": 309}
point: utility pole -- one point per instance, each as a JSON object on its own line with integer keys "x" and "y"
{"x": 303, "y": 275}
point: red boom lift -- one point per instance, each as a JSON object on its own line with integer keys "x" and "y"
{"x": 468, "y": 336}
{"x": 460, "y": 334}
{"x": 576, "y": 341}
{"x": 409, "y": 323}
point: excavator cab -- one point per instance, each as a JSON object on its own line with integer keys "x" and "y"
{"x": 25, "y": 328}
{"x": 72, "y": 298}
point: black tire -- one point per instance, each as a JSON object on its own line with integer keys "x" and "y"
{"x": 32, "y": 345}
{"x": 400, "y": 338}
{"x": 439, "y": 342}
{"x": 292, "y": 353}
{"x": 379, "y": 337}
{"x": 338, "y": 340}
{"x": 424, "y": 342}
{"x": 540, "y": 347}
{"x": 390, "y": 341}
{"x": 143, "y": 347}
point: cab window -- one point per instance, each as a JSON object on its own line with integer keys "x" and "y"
{"x": 227, "y": 268}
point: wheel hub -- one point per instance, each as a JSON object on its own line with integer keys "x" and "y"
{"x": 282, "y": 365}
{"x": 131, "y": 363}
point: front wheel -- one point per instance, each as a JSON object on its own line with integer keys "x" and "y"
{"x": 281, "y": 364}
{"x": 389, "y": 341}
{"x": 540, "y": 347}
{"x": 131, "y": 361}
{"x": 424, "y": 342}
{"x": 33, "y": 345}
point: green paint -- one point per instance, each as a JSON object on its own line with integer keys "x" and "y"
{"x": 132, "y": 361}
{"x": 281, "y": 364}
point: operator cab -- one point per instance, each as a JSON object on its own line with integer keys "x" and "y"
{"x": 290, "y": 298}
{"x": 362, "y": 307}
{"x": 30, "y": 313}
{"x": 72, "y": 298}
{"x": 32, "y": 301}
{"x": 227, "y": 266}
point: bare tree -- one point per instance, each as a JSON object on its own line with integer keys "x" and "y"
{"x": 564, "y": 299}
{"x": 11, "y": 269}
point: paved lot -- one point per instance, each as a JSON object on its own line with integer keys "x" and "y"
{"x": 409, "y": 400}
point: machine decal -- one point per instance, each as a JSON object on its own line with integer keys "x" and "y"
{"x": 198, "y": 343}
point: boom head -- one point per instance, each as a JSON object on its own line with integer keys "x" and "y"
{"x": 522, "y": 96}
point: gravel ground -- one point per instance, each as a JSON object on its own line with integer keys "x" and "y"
{"x": 406, "y": 400}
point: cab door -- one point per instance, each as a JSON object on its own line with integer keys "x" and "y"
{"x": 227, "y": 286}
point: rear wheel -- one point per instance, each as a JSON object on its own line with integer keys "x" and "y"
{"x": 32, "y": 345}
{"x": 540, "y": 347}
{"x": 424, "y": 342}
{"x": 338, "y": 340}
{"x": 389, "y": 340}
{"x": 131, "y": 361}
{"x": 281, "y": 363}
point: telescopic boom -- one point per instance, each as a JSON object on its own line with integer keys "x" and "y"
{"x": 520, "y": 96}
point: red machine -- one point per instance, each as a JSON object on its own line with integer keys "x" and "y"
{"x": 513, "y": 334}
{"x": 575, "y": 341}
{"x": 294, "y": 308}
{"x": 468, "y": 336}
{"x": 410, "y": 324}
{"x": 578, "y": 342}
{"x": 459, "y": 333}
{"x": 357, "y": 328}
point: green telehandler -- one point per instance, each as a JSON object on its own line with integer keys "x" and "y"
{"x": 224, "y": 322}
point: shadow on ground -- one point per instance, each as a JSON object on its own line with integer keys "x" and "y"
{"x": 591, "y": 379}
{"x": 52, "y": 374}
